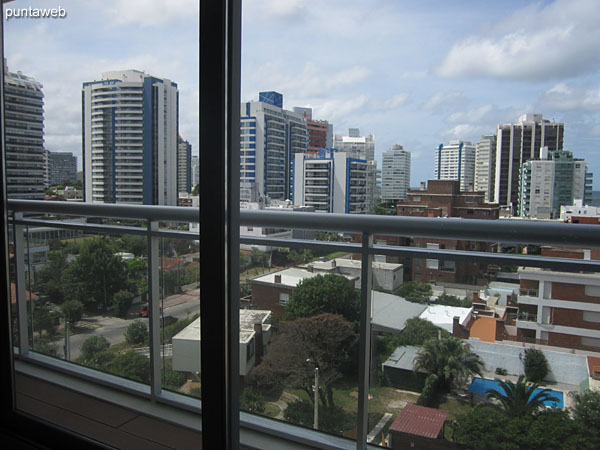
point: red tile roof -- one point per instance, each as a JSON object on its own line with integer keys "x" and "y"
{"x": 593, "y": 365}
{"x": 420, "y": 421}
{"x": 13, "y": 294}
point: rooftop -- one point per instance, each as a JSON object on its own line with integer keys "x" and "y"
{"x": 351, "y": 263}
{"x": 443, "y": 316}
{"x": 420, "y": 421}
{"x": 391, "y": 312}
{"x": 290, "y": 277}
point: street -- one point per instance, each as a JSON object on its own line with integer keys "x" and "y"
{"x": 113, "y": 328}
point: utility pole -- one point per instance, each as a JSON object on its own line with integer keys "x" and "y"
{"x": 316, "y": 419}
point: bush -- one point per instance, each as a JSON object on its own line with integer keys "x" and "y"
{"x": 46, "y": 348}
{"x": 72, "y": 310}
{"x": 252, "y": 401}
{"x": 501, "y": 371}
{"x": 131, "y": 365}
{"x": 93, "y": 345}
{"x": 136, "y": 332}
{"x": 536, "y": 365}
{"x": 172, "y": 379}
{"x": 415, "y": 292}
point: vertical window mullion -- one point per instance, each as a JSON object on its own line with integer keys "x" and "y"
{"x": 364, "y": 357}
{"x": 154, "y": 309}
{"x": 21, "y": 300}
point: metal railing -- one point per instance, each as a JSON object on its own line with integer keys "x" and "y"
{"x": 367, "y": 226}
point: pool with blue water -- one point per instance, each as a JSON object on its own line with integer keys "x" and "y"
{"x": 481, "y": 385}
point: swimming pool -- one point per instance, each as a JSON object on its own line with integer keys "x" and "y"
{"x": 481, "y": 385}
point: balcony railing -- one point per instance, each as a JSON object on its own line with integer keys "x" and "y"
{"x": 367, "y": 226}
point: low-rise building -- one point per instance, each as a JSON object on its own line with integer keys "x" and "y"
{"x": 255, "y": 334}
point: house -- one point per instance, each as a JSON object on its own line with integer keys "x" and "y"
{"x": 417, "y": 426}
{"x": 255, "y": 333}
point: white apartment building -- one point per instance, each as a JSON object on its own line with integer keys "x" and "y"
{"x": 555, "y": 180}
{"x": 333, "y": 182}
{"x": 395, "y": 173}
{"x": 578, "y": 209}
{"x": 195, "y": 170}
{"x": 516, "y": 144}
{"x": 485, "y": 165}
{"x": 130, "y": 128}
{"x": 269, "y": 138}
{"x": 456, "y": 161}
{"x": 26, "y": 161}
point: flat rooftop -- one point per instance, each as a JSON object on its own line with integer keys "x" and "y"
{"x": 291, "y": 277}
{"x": 350, "y": 264}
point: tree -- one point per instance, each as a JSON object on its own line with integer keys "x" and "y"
{"x": 43, "y": 319}
{"x": 132, "y": 243}
{"x": 122, "y": 301}
{"x": 49, "y": 279}
{"x": 587, "y": 410}
{"x": 452, "y": 300}
{"x": 131, "y": 365}
{"x": 385, "y": 209}
{"x": 329, "y": 293}
{"x": 72, "y": 310}
{"x": 252, "y": 401}
{"x": 520, "y": 398}
{"x": 415, "y": 292}
{"x": 97, "y": 273}
{"x": 323, "y": 341}
{"x": 136, "y": 332}
{"x": 488, "y": 428}
{"x": 450, "y": 360}
{"x": 415, "y": 332}
{"x": 196, "y": 190}
{"x": 91, "y": 348}
{"x": 536, "y": 365}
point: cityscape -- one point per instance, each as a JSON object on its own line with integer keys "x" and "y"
{"x": 483, "y": 299}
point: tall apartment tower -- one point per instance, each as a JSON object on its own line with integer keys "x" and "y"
{"x": 456, "y": 161}
{"x": 518, "y": 143}
{"x": 270, "y": 136}
{"x": 24, "y": 131}
{"x": 332, "y": 182}
{"x": 485, "y": 165}
{"x": 62, "y": 166}
{"x": 361, "y": 147}
{"x": 320, "y": 132}
{"x": 184, "y": 166}
{"x": 130, "y": 131}
{"x": 555, "y": 179}
{"x": 195, "y": 170}
{"x": 395, "y": 173}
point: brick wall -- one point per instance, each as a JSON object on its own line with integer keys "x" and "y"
{"x": 267, "y": 297}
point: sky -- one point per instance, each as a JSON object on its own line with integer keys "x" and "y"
{"x": 411, "y": 73}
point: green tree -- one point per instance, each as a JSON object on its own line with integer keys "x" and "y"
{"x": 323, "y": 341}
{"x": 536, "y": 365}
{"x": 49, "y": 279}
{"x": 587, "y": 410}
{"x": 196, "y": 190}
{"x": 131, "y": 365}
{"x": 172, "y": 379}
{"x": 329, "y": 293}
{"x": 97, "y": 274}
{"x": 385, "y": 209}
{"x": 136, "y": 332}
{"x": 450, "y": 361}
{"x": 122, "y": 301}
{"x": 488, "y": 428}
{"x": 91, "y": 350}
{"x": 252, "y": 401}
{"x": 46, "y": 348}
{"x": 44, "y": 320}
{"x": 453, "y": 300}
{"x": 133, "y": 243}
{"x": 520, "y": 399}
{"x": 72, "y": 310}
{"x": 415, "y": 292}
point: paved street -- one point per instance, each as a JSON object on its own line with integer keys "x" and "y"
{"x": 112, "y": 328}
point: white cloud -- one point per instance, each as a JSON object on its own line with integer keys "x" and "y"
{"x": 152, "y": 12}
{"x": 563, "y": 97}
{"x": 395, "y": 101}
{"x": 339, "y": 109}
{"x": 561, "y": 39}
{"x": 280, "y": 9}
{"x": 442, "y": 100}
{"x": 471, "y": 116}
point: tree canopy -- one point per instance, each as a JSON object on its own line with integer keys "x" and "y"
{"x": 329, "y": 293}
{"x": 301, "y": 345}
{"x": 587, "y": 410}
{"x": 536, "y": 365}
{"x": 415, "y": 292}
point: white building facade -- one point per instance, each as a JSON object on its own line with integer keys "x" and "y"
{"x": 456, "y": 161}
{"x": 270, "y": 136}
{"x": 332, "y": 182}
{"x": 395, "y": 173}
{"x": 485, "y": 165}
{"x": 130, "y": 128}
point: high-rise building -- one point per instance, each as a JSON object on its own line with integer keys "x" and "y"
{"x": 485, "y": 165}
{"x": 331, "y": 182}
{"x": 395, "y": 173}
{"x": 195, "y": 170}
{"x": 320, "y": 132}
{"x": 130, "y": 129}
{"x": 518, "y": 143}
{"x": 184, "y": 166}
{"x": 456, "y": 161}
{"x": 361, "y": 147}
{"x": 24, "y": 138}
{"x": 556, "y": 179}
{"x": 62, "y": 167}
{"x": 269, "y": 138}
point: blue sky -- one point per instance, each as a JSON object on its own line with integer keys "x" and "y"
{"x": 411, "y": 73}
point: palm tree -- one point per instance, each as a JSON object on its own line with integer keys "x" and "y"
{"x": 450, "y": 359}
{"x": 520, "y": 398}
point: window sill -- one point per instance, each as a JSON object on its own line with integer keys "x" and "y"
{"x": 129, "y": 420}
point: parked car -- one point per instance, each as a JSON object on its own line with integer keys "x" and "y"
{"x": 165, "y": 321}
{"x": 143, "y": 311}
